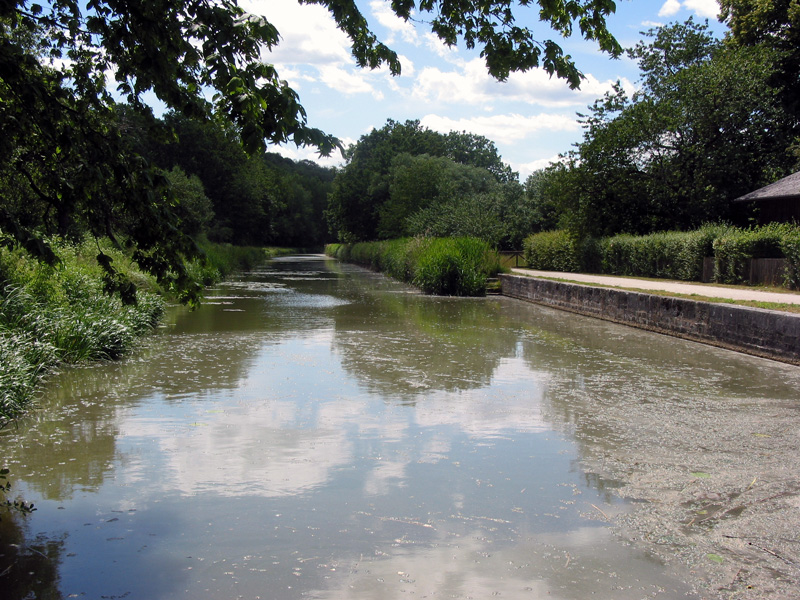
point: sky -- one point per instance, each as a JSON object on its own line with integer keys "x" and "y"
{"x": 531, "y": 117}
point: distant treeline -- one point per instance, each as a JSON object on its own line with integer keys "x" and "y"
{"x": 232, "y": 197}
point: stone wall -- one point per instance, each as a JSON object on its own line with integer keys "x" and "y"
{"x": 766, "y": 333}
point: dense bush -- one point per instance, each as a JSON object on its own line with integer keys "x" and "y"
{"x": 442, "y": 266}
{"x": 554, "y": 251}
{"x": 733, "y": 250}
{"x": 220, "y": 260}
{"x": 790, "y": 245}
{"x": 51, "y": 315}
{"x": 668, "y": 255}
{"x": 672, "y": 254}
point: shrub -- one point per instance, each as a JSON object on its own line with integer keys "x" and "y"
{"x": 668, "y": 255}
{"x": 442, "y": 266}
{"x": 733, "y": 250}
{"x": 790, "y": 246}
{"x": 553, "y": 251}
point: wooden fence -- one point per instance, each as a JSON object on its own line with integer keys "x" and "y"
{"x": 760, "y": 271}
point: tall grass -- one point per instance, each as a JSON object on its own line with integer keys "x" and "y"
{"x": 55, "y": 315}
{"x": 220, "y": 260}
{"x": 443, "y": 266}
{"x": 61, "y": 315}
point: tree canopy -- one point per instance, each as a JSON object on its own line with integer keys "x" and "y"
{"x": 704, "y": 127}
{"x": 67, "y": 164}
{"x": 394, "y": 171}
{"x": 776, "y": 25}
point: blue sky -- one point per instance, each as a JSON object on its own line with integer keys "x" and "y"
{"x": 531, "y": 117}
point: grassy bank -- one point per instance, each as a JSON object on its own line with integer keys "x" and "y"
{"x": 60, "y": 315}
{"x": 442, "y": 266}
{"x": 223, "y": 259}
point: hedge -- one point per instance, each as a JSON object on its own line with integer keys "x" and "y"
{"x": 733, "y": 250}
{"x": 672, "y": 254}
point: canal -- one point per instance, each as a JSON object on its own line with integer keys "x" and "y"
{"x": 316, "y": 430}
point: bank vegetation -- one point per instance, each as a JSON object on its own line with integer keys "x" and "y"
{"x": 57, "y": 315}
{"x": 459, "y": 266}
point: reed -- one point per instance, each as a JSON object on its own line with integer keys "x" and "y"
{"x": 56, "y": 315}
{"x": 441, "y": 266}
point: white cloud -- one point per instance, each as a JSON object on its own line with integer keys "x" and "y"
{"x": 307, "y": 153}
{"x": 503, "y": 129}
{"x": 669, "y": 8}
{"x": 312, "y": 48}
{"x": 348, "y": 82}
{"x": 309, "y": 35}
{"x": 470, "y": 84}
{"x": 525, "y": 169}
{"x": 397, "y": 26}
{"x": 435, "y": 44}
{"x": 703, "y": 8}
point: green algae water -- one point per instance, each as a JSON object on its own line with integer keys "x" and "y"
{"x": 315, "y": 430}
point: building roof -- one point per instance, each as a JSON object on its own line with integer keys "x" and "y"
{"x": 787, "y": 187}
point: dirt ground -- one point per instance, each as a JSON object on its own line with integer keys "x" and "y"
{"x": 715, "y": 489}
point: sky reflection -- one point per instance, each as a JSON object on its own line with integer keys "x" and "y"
{"x": 341, "y": 438}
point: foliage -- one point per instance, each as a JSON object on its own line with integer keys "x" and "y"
{"x": 298, "y": 220}
{"x": 704, "y": 128}
{"x": 455, "y": 266}
{"x": 70, "y": 167}
{"x": 733, "y": 250}
{"x": 220, "y": 260}
{"x": 790, "y": 246}
{"x": 475, "y": 215}
{"x": 196, "y": 211}
{"x": 540, "y": 211}
{"x": 553, "y": 251}
{"x": 668, "y": 255}
{"x": 401, "y": 168}
{"x": 418, "y": 182}
{"x": 776, "y": 25}
{"x": 261, "y": 199}
{"x": 507, "y": 46}
{"x": 53, "y": 315}
{"x": 442, "y": 266}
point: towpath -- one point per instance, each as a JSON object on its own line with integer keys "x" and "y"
{"x": 675, "y": 287}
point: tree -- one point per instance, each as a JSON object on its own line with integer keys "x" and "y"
{"x": 539, "y": 211}
{"x": 196, "y": 208}
{"x": 64, "y": 148}
{"x": 418, "y": 182}
{"x": 775, "y": 24}
{"x": 704, "y": 128}
{"x": 491, "y": 215}
{"x": 360, "y": 205}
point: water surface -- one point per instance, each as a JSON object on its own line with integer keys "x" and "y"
{"x": 318, "y": 431}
